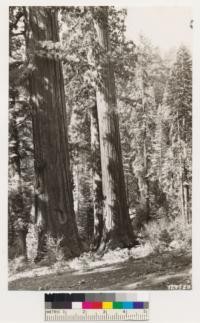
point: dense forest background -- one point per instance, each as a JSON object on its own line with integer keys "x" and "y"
{"x": 100, "y": 138}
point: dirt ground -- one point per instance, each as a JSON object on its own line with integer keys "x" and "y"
{"x": 153, "y": 272}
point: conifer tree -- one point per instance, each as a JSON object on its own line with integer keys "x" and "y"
{"x": 117, "y": 230}
{"x": 53, "y": 188}
{"x": 178, "y": 102}
{"x": 20, "y": 171}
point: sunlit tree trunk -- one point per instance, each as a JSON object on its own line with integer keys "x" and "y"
{"x": 82, "y": 199}
{"x": 17, "y": 214}
{"x": 96, "y": 178}
{"x": 117, "y": 231}
{"x": 53, "y": 188}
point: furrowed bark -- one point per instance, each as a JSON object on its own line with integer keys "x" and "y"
{"x": 96, "y": 178}
{"x": 117, "y": 231}
{"x": 53, "y": 189}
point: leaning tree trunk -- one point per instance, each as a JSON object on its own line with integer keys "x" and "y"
{"x": 54, "y": 201}
{"x": 96, "y": 178}
{"x": 117, "y": 231}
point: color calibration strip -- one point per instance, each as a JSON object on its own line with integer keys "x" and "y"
{"x": 96, "y": 306}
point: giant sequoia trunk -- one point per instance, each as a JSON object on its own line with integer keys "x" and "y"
{"x": 54, "y": 201}
{"x": 117, "y": 231}
{"x": 96, "y": 178}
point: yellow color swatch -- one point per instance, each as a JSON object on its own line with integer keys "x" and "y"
{"x": 107, "y": 305}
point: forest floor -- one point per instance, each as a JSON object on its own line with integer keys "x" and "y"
{"x": 153, "y": 271}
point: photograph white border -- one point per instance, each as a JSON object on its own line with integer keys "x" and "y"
{"x": 165, "y": 306}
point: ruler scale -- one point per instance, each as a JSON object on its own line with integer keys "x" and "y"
{"x": 96, "y": 307}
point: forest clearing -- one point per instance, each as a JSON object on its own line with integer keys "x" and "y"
{"x": 157, "y": 272}
{"x": 100, "y": 154}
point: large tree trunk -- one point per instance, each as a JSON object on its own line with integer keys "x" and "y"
{"x": 117, "y": 231}
{"x": 82, "y": 199}
{"x": 96, "y": 178}
{"x": 54, "y": 200}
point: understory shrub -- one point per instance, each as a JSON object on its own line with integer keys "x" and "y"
{"x": 167, "y": 235}
{"x": 17, "y": 264}
{"x": 54, "y": 253}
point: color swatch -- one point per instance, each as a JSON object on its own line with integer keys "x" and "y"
{"x": 93, "y": 301}
{"x": 96, "y": 307}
